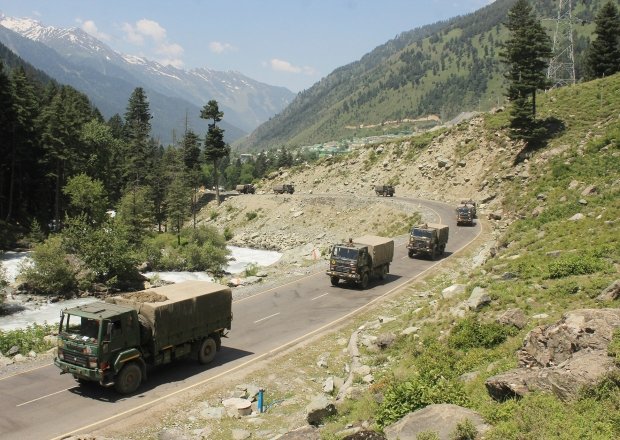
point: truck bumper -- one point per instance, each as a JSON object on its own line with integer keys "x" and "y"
{"x": 344, "y": 275}
{"x": 95, "y": 375}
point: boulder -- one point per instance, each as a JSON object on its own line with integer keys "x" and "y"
{"x": 565, "y": 380}
{"x": 303, "y": 433}
{"x": 577, "y": 217}
{"x": 589, "y": 190}
{"x": 453, "y": 290}
{"x": 365, "y": 435}
{"x": 579, "y": 329}
{"x": 319, "y": 408}
{"x": 514, "y": 317}
{"x": 441, "y": 419}
{"x": 385, "y": 340}
{"x": 478, "y": 299}
{"x": 611, "y": 292}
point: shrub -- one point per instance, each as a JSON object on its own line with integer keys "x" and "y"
{"x": 613, "y": 349}
{"x": 228, "y": 234}
{"x": 50, "y": 271}
{"x": 465, "y": 430}
{"x": 251, "y": 270}
{"x": 427, "y": 435}
{"x": 420, "y": 391}
{"x": 251, "y": 215}
{"x": 577, "y": 264}
{"x": 469, "y": 333}
{"x": 30, "y": 338}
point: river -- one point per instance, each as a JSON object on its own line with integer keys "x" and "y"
{"x": 27, "y": 313}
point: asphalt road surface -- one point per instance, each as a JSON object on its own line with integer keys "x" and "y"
{"x": 42, "y": 404}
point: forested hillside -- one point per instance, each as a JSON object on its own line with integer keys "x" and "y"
{"x": 441, "y": 69}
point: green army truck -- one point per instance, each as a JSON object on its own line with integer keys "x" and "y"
{"x": 361, "y": 259}
{"x": 112, "y": 342}
{"x": 385, "y": 190}
{"x": 465, "y": 215}
{"x": 284, "y": 188}
{"x": 246, "y": 188}
{"x": 428, "y": 239}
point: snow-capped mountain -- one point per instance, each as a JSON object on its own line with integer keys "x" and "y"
{"x": 91, "y": 66}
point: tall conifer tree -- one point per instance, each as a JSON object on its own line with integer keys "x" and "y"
{"x": 215, "y": 147}
{"x": 604, "y": 54}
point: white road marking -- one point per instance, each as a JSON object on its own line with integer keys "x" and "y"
{"x": 43, "y": 397}
{"x": 266, "y": 317}
{"x": 320, "y": 296}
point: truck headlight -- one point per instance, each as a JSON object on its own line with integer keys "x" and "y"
{"x": 92, "y": 362}
{"x": 61, "y": 354}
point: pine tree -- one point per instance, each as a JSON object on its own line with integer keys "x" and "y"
{"x": 526, "y": 54}
{"x": 604, "y": 55}
{"x": 7, "y": 127}
{"x": 191, "y": 159}
{"x": 137, "y": 130}
{"x": 215, "y": 147}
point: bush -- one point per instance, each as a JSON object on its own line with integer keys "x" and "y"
{"x": 250, "y": 215}
{"x": 575, "y": 265}
{"x": 465, "y": 430}
{"x": 469, "y": 333}
{"x": 418, "y": 392}
{"x": 30, "y": 338}
{"x": 50, "y": 272}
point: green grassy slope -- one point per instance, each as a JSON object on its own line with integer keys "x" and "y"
{"x": 557, "y": 265}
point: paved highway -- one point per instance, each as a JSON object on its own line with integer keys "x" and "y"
{"x": 42, "y": 404}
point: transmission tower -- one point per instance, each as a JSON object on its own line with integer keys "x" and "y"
{"x": 562, "y": 64}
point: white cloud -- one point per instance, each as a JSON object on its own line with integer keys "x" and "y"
{"x": 153, "y": 38}
{"x": 218, "y": 47}
{"x": 90, "y": 27}
{"x": 150, "y": 28}
{"x": 285, "y": 66}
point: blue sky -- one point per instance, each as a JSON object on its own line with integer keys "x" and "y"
{"x": 290, "y": 43}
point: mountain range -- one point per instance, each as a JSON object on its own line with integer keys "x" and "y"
{"x": 73, "y": 57}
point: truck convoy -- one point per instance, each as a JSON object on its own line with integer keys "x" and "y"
{"x": 361, "y": 259}
{"x": 428, "y": 239}
{"x": 112, "y": 342}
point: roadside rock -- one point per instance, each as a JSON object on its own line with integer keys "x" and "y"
{"x": 319, "y": 408}
{"x": 440, "y": 418}
{"x": 365, "y": 435}
{"x": 453, "y": 290}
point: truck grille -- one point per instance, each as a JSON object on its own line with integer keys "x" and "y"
{"x": 76, "y": 359}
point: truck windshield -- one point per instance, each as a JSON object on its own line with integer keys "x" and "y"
{"x": 79, "y": 327}
{"x": 422, "y": 233}
{"x": 345, "y": 252}
{"x": 463, "y": 210}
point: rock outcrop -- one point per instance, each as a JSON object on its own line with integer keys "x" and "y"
{"x": 561, "y": 358}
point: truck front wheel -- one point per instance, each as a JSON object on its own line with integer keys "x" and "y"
{"x": 334, "y": 280}
{"x": 207, "y": 351}
{"x": 411, "y": 254}
{"x": 129, "y": 379}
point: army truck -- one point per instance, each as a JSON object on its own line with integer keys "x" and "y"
{"x": 285, "y": 188}
{"x": 428, "y": 239}
{"x": 472, "y": 204}
{"x": 246, "y": 188}
{"x": 361, "y": 259}
{"x": 112, "y": 342}
{"x": 384, "y": 190}
{"x": 465, "y": 215}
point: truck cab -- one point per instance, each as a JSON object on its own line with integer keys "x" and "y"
{"x": 384, "y": 190}
{"x": 428, "y": 239}
{"x": 465, "y": 215}
{"x": 92, "y": 338}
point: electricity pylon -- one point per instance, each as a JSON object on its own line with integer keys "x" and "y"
{"x": 561, "y": 70}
